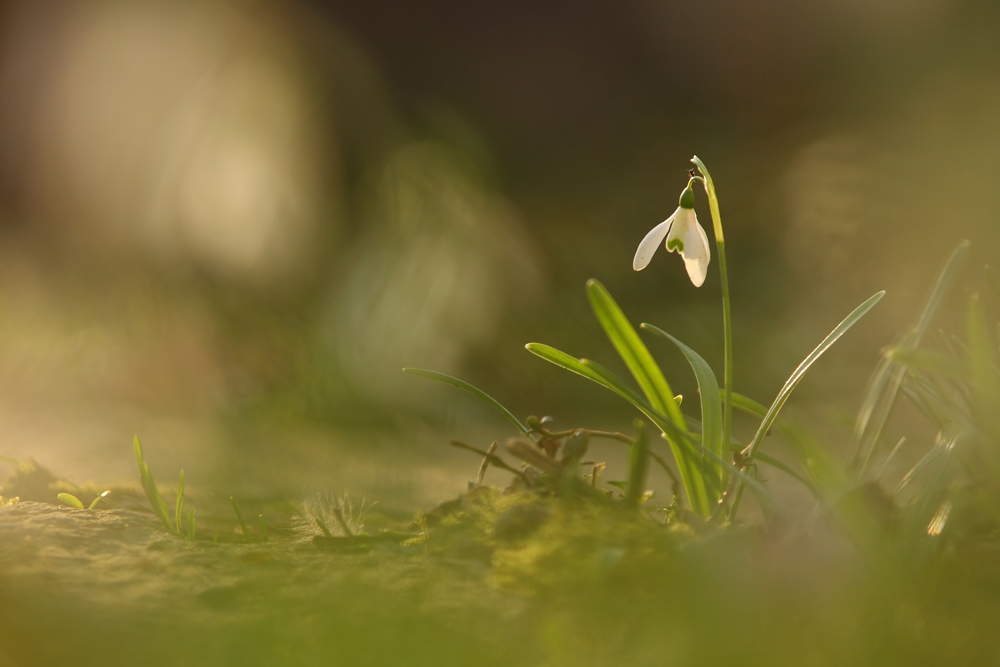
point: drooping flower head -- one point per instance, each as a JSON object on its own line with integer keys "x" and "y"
{"x": 683, "y": 234}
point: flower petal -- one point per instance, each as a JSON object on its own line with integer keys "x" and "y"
{"x": 696, "y": 253}
{"x": 683, "y": 218}
{"x": 649, "y": 244}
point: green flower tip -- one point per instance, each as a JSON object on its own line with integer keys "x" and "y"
{"x": 687, "y": 197}
{"x": 675, "y": 245}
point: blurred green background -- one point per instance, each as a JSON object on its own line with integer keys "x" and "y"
{"x": 226, "y": 226}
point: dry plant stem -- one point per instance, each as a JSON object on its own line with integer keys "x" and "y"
{"x": 493, "y": 458}
{"x": 239, "y": 516}
{"x": 598, "y": 467}
{"x": 610, "y": 435}
{"x": 486, "y": 464}
{"x": 342, "y": 521}
{"x": 621, "y": 437}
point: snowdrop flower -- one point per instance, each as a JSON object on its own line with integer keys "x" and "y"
{"x": 684, "y": 235}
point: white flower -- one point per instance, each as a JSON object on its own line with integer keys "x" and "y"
{"x": 683, "y": 234}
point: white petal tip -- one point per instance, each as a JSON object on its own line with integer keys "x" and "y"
{"x": 649, "y": 243}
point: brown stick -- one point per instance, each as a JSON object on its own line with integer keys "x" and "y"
{"x": 494, "y": 459}
{"x": 485, "y": 464}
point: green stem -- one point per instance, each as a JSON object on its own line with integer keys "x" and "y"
{"x": 727, "y": 320}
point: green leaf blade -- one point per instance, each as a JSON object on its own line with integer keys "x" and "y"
{"x": 156, "y": 502}
{"x": 814, "y": 456}
{"x": 807, "y": 363}
{"x": 638, "y": 466}
{"x": 887, "y": 380}
{"x": 98, "y": 499}
{"x": 796, "y": 377}
{"x": 475, "y": 391}
{"x": 633, "y": 352}
{"x": 179, "y": 506}
{"x": 70, "y": 500}
{"x": 590, "y": 370}
{"x": 711, "y": 403}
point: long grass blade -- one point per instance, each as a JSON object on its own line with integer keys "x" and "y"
{"x": 239, "y": 516}
{"x": 633, "y": 352}
{"x": 592, "y": 371}
{"x": 156, "y": 502}
{"x": 803, "y": 368}
{"x": 937, "y": 450}
{"x": 98, "y": 499}
{"x": 263, "y": 528}
{"x": 985, "y": 379}
{"x": 475, "y": 391}
{"x": 823, "y": 471}
{"x": 889, "y": 459}
{"x": 711, "y": 404}
{"x": 638, "y": 466}
{"x": 795, "y": 378}
{"x": 886, "y": 382}
{"x": 179, "y": 507}
{"x": 936, "y": 362}
{"x": 652, "y": 382}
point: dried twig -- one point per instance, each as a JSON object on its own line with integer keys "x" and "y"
{"x": 485, "y": 464}
{"x": 493, "y": 458}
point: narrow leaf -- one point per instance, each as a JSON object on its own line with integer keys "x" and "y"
{"x": 239, "y": 516}
{"x": 941, "y": 447}
{"x": 814, "y": 455}
{"x": 71, "y": 500}
{"x": 985, "y": 379}
{"x": 942, "y": 285}
{"x": 711, "y": 405}
{"x": 633, "y": 352}
{"x": 796, "y": 377}
{"x": 803, "y": 368}
{"x": 638, "y": 466}
{"x": 322, "y": 526}
{"x": 930, "y": 360}
{"x": 263, "y": 528}
{"x": 462, "y": 384}
{"x": 156, "y": 501}
{"x": 98, "y": 499}
{"x": 592, "y": 371}
{"x": 179, "y": 507}
{"x": 886, "y": 382}
{"x": 652, "y": 382}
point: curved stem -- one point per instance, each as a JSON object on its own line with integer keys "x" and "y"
{"x": 727, "y": 320}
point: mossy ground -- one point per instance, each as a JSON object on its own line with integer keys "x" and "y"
{"x": 496, "y": 577}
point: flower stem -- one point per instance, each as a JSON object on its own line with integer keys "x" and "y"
{"x": 727, "y": 320}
